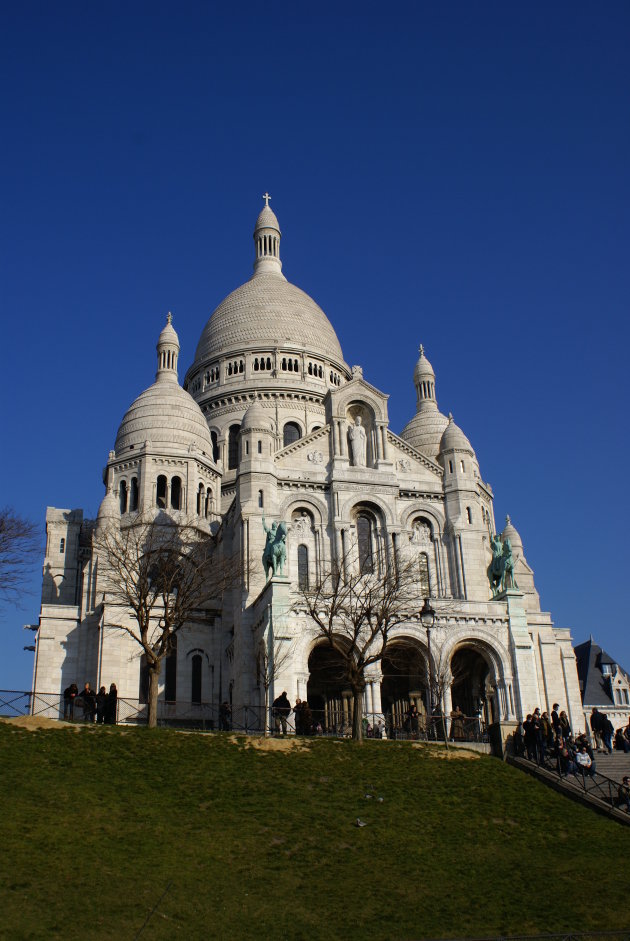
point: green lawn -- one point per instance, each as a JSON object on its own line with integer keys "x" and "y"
{"x": 96, "y": 825}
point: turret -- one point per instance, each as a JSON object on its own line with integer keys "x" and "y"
{"x": 267, "y": 241}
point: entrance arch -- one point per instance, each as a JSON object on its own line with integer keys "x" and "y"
{"x": 474, "y": 684}
{"x": 404, "y": 684}
{"x": 328, "y": 691}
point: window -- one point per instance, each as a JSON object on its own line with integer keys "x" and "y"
{"x": 461, "y": 464}
{"x": 62, "y": 546}
{"x": 160, "y": 493}
{"x": 133, "y": 495}
{"x": 302, "y": 560}
{"x": 123, "y": 496}
{"x": 195, "y": 680}
{"x": 365, "y": 529}
{"x": 170, "y": 672}
{"x": 200, "y": 500}
{"x": 450, "y": 466}
{"x": 215, "y": 446}
{"x": 176, "y": 493}
{"x": 626, "y": 697}
{"x": 606, "y": 669}
{"x": 260, "y": 499}
{"x": 469, "y": 514}
{"x": 208, "y": 502}
{"x": 291, "y": 433}
{"x": 425, "y": 587}
{"x": 233, "y": 447}
{"x": 260, "y": 447}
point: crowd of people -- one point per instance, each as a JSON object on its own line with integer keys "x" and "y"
{"x": 101, "y": 707}
{"x": 545, "y": 739}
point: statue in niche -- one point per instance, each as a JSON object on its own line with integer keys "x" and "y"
{"x": 358, "y": 443}
{"x": 301, "y": 526}
{"x": 275, "y": 552}
{"x": 420, "y": 534}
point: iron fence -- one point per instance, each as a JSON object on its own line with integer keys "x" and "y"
{"x": 590, "y": 782}
{"x": 569, "y": 936}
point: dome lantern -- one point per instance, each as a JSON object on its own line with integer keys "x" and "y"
{"x": 424, "y": 381}
{"x": 267, "y": 241}
{"x": 167, "y": 352}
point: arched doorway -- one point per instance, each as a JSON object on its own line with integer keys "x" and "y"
{"x": 404, "y": 684}
{"x": 328, "y": 691}
{"x": 473, "y": 686}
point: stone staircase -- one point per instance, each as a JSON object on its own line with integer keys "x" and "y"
{"x": 613, "y": 766}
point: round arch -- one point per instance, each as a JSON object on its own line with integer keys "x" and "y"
{"x": 375, "y": 500}
{"x": 317, "y": 507}
{"x": 436, "y": 520}
{"x": 404, "y": 686}
{"x": 329, "y": 694}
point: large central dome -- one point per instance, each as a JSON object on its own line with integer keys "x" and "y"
{"x": 268, "y": 311}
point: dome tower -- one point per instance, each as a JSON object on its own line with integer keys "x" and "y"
{"x": 426, "y": 428}
{"x": 267, "y": 341}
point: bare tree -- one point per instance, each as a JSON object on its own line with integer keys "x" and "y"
{"x": 161, "y": 575}
{"x": 354, "y": 612}
{"x": 273, "y": 656}
{"x": 20, "y": 543}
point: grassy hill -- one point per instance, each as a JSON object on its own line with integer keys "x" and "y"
{"x": 262, "y": 843}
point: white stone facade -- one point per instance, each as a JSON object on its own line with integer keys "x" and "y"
{"x": 262, "y": 427}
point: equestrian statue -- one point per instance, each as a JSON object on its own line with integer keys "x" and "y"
{"x": 275, "y": 552}
{"x": 501, "y": 568}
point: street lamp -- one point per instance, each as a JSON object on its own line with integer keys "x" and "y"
{"x": 427, "y": 619}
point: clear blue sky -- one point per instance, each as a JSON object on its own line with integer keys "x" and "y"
{"x": 454, "y": 174}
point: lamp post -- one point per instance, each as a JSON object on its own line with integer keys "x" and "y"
{"x": 427, "y": 619}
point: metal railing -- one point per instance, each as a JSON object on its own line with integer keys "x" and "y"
{"x": 248, "y": 719}
{"x": 590, "y": 782}
{"x": 568, "y": 936}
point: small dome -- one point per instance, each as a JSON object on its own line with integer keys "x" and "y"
{"x": 424, "y": 369}
{"x": 256, "y": 418}
{"x": 166, "y": 415}
{"x": 509, "y": 532}
{"x": 168, "y": 334}
{"x": 454, "y": 439}
{"x": 109, "y": 508}
{"x": 424, "y": 431}
{"x": 267, "y": 219}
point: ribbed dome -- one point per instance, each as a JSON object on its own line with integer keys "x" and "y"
{"x": 256, "y": 417}
{"x": 454, "y": 438}
{"x": 166, "y": 416}
{"x": 268, "y": 311}
{"x": 425, "y": 431}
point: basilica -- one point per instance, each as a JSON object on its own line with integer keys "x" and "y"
{"x": 271, "y": 425}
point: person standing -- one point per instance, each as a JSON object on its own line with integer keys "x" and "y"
{"x": 297, "y": 712}
{"x": 607, "y": 730}
{"x": 111, "y": 705}
{"x": 596, "y": 728}
{"x": 101, "y": 705}
{"x": 225, "y": 714}
{"x": 88, "y": 700}
{"x": 70, "y": 693}
{"x": 281, "y": 712}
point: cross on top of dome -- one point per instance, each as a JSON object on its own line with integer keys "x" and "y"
{"x": 266, "y": 197}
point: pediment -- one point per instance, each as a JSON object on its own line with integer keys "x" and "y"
{"x": 409, "y": 463}
{"x": 310, "y": 452}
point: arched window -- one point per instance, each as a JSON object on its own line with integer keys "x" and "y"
{"x": 260, "y": 499}
{"x": 195, "y": 680}
{"x": 123, "y": 496}
{"x": 233, "y": 447}
{"x": 469, "y": 514}
{"x": 176, "y": 493}
{"x": 208, "y": 502}
{"x": 200, "y": 500}
{"x": 160, "y": 494}
{"x": 302, "y": 560}
{"x": 170, "y": 673}
{"x": 260, "y": 447}
{"x": 133, "y": 495}
{"x": 365, "y": 540}
{"x": 291, "y": 433}
{"x": 425, "y": 587}
{"x": 215, "y": 446}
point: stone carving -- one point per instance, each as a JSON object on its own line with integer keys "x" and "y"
{"x": 420, "y": 534}
{"x": 404, "y": 465}
{"x": 315, "y": 457}
{"x": 275, "y": 551}
{"x": 358, "y": 443}
{"x": 501, "y": 568}
{"x": 357, "y": 372}
{"x": 302, "y": 525}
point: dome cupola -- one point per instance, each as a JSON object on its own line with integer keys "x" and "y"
{"x": 426, "y": 428}
{"x": 267, "y": 240}
{"x": 168, "y": 352}
{"x": 454, "y": 439}
{"x": 424, "y": 380}
{"x": 510, "y": 532}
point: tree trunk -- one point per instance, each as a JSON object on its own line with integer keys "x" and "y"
{"x": 357, "y": 714}
{"x": 154, "y": 682}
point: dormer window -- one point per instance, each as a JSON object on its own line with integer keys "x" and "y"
{"x": 607, "y": 669}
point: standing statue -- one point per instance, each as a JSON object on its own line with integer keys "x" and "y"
{"x": 275, "y": 551}
{"x": 358, "y": 443}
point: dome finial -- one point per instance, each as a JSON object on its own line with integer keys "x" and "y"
{"x": 421, "y": 350}
{"x": 169, "y": 317}
{"x": 267, "y": 241}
